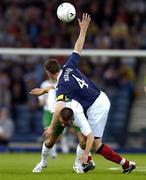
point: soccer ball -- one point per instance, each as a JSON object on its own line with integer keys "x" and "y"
{"x": 66, "y": 12}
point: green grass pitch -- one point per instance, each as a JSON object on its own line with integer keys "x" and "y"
{"x": 19, "y": 167}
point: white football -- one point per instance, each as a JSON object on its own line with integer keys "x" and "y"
{"x": 66, "y": 12}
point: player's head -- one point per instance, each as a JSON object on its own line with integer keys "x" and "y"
{"x": 52, "y": 68}
{"x": 66, "y": 116}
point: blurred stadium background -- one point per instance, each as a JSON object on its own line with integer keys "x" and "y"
{"x": 117, "y": 24}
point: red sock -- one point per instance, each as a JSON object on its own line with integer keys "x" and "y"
{"x": 109, "y": 154}
{"x": 89, "y": 158}
{"x": 125, "y": 165}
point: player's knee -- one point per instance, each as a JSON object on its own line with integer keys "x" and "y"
{"x": 49, "y": 143}
{"x": 97, "y": 144}
{"x": 82, "y": 144}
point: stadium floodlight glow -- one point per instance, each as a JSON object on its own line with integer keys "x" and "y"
{"x": 67, "y": 52}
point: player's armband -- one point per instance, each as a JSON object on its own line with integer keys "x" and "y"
{"x": 63, "y": 97}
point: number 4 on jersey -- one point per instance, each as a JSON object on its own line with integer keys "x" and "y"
{"x": 81, "y": 82}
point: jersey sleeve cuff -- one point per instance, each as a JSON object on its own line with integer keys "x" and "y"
{"x": 74, "y": 51}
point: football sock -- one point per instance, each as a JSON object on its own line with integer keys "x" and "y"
{"x": 89, "y": 158}
{"x": 64, "y": 144}
{"x": 79, "y": 153}
{"x": 52, "y": 151}
{"x": 111, "y": 155}
{"x": 45, "y": 154}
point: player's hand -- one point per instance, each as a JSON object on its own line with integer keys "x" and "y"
{"x": 84, "y": 23}
{"x": 84, "y": 158}
{"x": 48, "y": 132}
{"x": 37, "y": 91}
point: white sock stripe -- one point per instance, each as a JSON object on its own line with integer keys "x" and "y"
{"x": 123, "y": 161}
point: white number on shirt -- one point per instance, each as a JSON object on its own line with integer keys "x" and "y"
{"x": 81, "y": 82}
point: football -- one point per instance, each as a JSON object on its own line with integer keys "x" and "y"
{"x": 66, "y": 12}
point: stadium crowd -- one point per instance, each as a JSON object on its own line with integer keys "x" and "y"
{"x": 26, "y": 24}
{"x": 34, "y": 24}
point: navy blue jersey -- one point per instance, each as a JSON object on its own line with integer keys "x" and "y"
{"x": 73, "y": 84}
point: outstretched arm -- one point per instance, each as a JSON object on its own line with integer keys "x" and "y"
{"x": 41, "y": 91}
{"x": 84, "y": 24}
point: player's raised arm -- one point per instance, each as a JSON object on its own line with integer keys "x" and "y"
{"x": 75, "y": 57}
{"x": 84, "y": 24}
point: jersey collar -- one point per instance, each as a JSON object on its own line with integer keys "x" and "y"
{"x": 59, "y": 75}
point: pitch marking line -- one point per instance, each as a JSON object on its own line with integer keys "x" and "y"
{"x": 138, "y": 169}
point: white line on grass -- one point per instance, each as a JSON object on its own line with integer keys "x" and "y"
{"x": 139, "y": 169}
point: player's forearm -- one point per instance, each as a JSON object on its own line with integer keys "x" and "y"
{"x": 84, "y": 24}
{"x": 47, "y": 89}
{"x": 54, "y": 119}
{"x": 89, "y": 143}
{"x": 38, "y": 91}
{"x": 80, "y": 41}
{"x": 41, "y": 92}
{"x": 59, "y": 106}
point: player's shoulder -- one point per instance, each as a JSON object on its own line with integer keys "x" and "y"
{"x": 45, "y": 84}
{"x": 71, "y": 61}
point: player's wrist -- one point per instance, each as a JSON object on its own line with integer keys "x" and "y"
{"x": 86, "y": 152}
{"x": 51, "y": 126}
{"x": 83, "y": 31}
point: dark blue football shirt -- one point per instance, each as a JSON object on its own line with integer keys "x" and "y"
{"x": 73, "y": 84}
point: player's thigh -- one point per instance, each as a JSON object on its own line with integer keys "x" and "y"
{"x": 58, "y": 130}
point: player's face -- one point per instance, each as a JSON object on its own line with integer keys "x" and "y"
{"x": 64, "y": 123}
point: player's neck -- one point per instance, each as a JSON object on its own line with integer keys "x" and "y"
{"x": 58, "y": 74}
